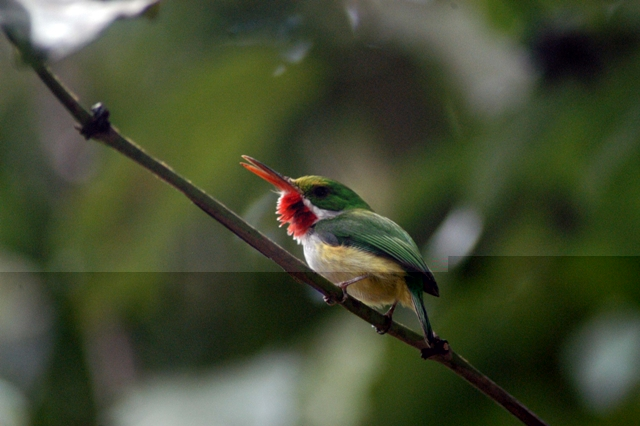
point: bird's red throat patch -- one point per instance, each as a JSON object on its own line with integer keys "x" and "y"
{"x": 295, "y": 213}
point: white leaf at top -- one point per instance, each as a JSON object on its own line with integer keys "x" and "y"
{"x": 57, "y": 28}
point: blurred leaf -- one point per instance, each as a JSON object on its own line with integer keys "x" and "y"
{"x": 56, "y": 28}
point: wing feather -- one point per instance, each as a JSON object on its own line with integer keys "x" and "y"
{"x": 368, "y": 231}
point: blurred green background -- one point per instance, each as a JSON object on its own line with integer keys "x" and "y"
{"x": 504, "y": 136}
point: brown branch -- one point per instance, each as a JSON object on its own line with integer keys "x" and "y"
{"x": 293, "y": 266}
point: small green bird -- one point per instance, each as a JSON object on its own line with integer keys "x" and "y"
{"x": 350, "y": 245}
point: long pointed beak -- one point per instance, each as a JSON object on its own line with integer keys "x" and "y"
{"x": 283, "y": 183}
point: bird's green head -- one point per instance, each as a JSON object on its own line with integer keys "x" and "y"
{"x": 308, "y": 199}
{"x": 327, "y": 194}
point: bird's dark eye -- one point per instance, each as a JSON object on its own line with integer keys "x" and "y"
{"x": 320, "y": 191}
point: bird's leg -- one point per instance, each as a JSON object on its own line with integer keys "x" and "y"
{"x": 343, "y": 286}
{"x": 388, "y": 319}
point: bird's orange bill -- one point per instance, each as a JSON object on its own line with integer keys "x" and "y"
{"x": 281, "y": 182}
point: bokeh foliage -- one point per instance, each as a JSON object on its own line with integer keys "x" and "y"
{"x": 525, "y": 113}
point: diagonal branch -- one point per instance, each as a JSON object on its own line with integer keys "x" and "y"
{"x": 299, "y": 271}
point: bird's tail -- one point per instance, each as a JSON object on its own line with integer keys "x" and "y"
{"x": 418, "y": 306}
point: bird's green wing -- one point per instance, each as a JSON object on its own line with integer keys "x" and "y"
{"x": 376, "y": 234}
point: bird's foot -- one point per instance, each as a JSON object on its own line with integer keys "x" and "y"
{"x": 385, "y": 327}
{"x": 330, "y": 300}
{"x": 437, "y": 346}
{"x": 388, "y": 319}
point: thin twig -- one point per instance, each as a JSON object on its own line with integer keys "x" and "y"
{"x": 293, "y": 266}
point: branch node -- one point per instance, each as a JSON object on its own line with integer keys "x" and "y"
{"x": 99, "y": 122}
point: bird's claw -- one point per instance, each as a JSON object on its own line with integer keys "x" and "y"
{"x": 437, "y": 346}
{"x": 330, "y": 300}
{"x": 385, "y": 327}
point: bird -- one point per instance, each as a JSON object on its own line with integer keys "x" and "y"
{"x": 368, "y": 256}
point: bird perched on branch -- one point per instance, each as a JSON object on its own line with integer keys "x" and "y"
{"x": 367, "y": 255}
